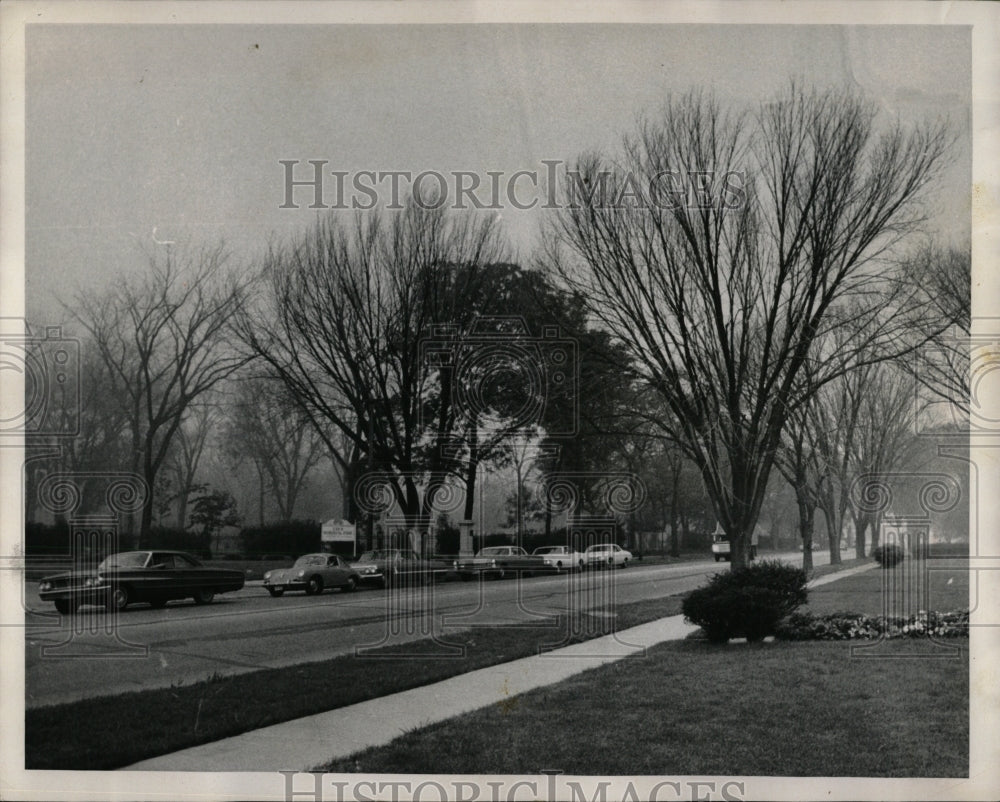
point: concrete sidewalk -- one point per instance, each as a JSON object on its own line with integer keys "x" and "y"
{"x": 306, "y": 743}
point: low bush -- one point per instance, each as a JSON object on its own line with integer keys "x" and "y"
{"x": 748, "y": 602}
{"x": 888, "y": 554}
{"x": 282, "y": 537}
{"x": 854, "y": 626}
{"x": 47, "y": 539}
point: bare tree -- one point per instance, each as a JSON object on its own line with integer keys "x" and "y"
{"x": 100, "y": 442}
{"x": 800, "y": 463}
{"x": 724, "y": 244}
{"x": 185, "y": 455}
{"x": 161, "y": 336}
{"x": 341, "y": 324}
{"x": 816, "y": 455}
{"x": 886, "y": 421}
{"x": 945, "y": 275}
{"x": 269, "y": 428}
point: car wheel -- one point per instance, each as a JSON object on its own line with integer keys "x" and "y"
{"x": 119, "y": 598}
{"x": 158, "y": 603}
{"x": 582, "y": 565}
{"x": 204, "y": 597}
{"x": 351, "y": 585}
{"x": 314, "y": 586}
{"x": 67, "y": 606}
{"x": 276, "y": 591}
{"x": 466, "y": 577}
{"x": 625, "y": 563}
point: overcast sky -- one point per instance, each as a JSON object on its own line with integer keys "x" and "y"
{"x": 179, "y": 129}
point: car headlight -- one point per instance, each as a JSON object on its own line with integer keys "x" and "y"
{"x": 45, "y": 586}
{"x": 267, "y": 575}
{"x": 493, "y": 563}
{"x": 301, "y": 573}
{"x": 370, "y": 569}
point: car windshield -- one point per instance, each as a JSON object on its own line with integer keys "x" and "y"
{"x": 310, "y": 559}
{"x": 597, "y": 548}
{"x": 551, "y": 550}
{"x": 493, "y": 550}
{"x": 126, "y": 559}
{"x": 371, "y": 556}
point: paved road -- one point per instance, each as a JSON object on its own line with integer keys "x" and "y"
{"x": 93, "y": 654}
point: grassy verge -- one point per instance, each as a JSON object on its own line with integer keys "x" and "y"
{"x": 944, "y": 587}
{"x": 690, "y": 708}
{"x": 136, "y": 726}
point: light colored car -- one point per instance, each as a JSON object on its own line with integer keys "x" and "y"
{"x": 312, "y": 573}
{"x": 560, "y": 558}
{"x": 606, "y": 555}
{"x": 720, "y": 546}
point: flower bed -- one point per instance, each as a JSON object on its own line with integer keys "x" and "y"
{"x": 851, "y": 626}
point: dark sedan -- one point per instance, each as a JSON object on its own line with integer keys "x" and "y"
{"x": 155, "y": 577}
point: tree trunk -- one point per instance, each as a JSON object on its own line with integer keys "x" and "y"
{"x": 833, "y": 532}
{"x": 675, "y": 543}
{"x": 470, "y": 474}
{"x": 260, "y": 496}
{"x": 807, "y": 519}
{"x": 876, "y": 522}
{"x": 860, "y": 525}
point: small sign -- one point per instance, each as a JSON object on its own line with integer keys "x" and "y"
{"x": 335, "y": 531}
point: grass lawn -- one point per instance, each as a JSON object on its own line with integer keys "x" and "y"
{"x": 944, "y": 587}
{"x": 792, "y": 709}
{"x": 139, "y": 725}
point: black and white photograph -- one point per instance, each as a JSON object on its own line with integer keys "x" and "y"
{"x": 585, "y": 402}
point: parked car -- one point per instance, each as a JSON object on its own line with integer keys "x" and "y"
{"x": 560, "y": 558}
{"x": 312, "y": 573}
{"x": 384, "y": 567}
{"x": 498, "y": 561}
{"x": 155, "y": 577}
{"x": 606, "y": 555}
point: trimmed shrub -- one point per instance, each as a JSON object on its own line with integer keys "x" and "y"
{"x": 748, "y": 602}
{"x": 888, "y": 554}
